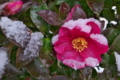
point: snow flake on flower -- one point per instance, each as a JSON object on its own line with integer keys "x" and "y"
{"x": 79, "y": 43}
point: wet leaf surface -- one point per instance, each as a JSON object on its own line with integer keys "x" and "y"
{"x": 64, "y": 10}
{"x": 51, "y": 17}
{"x": 36, "y": 68}
{"x": 96, "y": 5}
{"x": 79, "y": 13}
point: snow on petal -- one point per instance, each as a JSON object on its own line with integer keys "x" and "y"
{"x": 54, "y": 39}
{"x": 91, "y": 61}
{"x": 15, "y": 31}
{"x": 80, "y": 23}
{"x": 3, "y": 61}
{"x": 74, "y": 64}
{"x": 117, "y": 57}
{"x": 99, "y": 38}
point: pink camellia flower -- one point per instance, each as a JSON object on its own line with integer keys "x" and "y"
{"x": 79, "y": 43}
{"x": 12, "y": 8}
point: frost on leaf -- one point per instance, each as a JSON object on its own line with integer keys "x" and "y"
{"x": 31, "y": 51}
{"x": 3, "y": 60}
{"x": 15, "y": 31}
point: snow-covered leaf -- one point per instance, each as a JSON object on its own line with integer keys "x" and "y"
{"x": 25, "y": 56}
{"x": 3, "y": 60}
{"x": 15, "y": 31}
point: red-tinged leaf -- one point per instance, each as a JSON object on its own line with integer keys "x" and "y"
{"x": 31, "y": 51}
{"x": 37, "y": 69}
{"x": 64, "y": 10}
{"x": 96, "y": 5}
{"x": 15, "y": 31}
{"x": 25, "y": 7}
{"x": 51, "y": 17}
{"x": 59, "y": 77}
{"x": 78, "y": 13}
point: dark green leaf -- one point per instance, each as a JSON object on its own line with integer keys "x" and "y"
{"x": 111, "y": 34}
{"x": 116, "y": 44}
{"x": 96, "y": 5}
{"x": 59, "y": 77}
{"x": 11, "y": 70}
{"x": 118, "y": 7}
{"x": 110, "y": 16}
{"x": 36, "y": 19}
{"x": 51, "y": 17}
{"x": 36, "y": 68}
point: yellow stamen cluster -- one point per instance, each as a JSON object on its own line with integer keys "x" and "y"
{"x": 79, "y": 44}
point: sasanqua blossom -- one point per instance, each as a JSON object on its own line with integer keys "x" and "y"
{"x": 12, "y": 8}
{"x": 79, "y": 43}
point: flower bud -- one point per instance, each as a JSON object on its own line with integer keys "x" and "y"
{"x": 12, "y": 8}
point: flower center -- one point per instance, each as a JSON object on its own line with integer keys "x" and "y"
{"x": 79, "y": 44}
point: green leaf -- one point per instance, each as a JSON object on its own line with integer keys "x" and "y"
{"x": 118, "y": 7}
{"x": 116, "y": 44}
{"x": 51, "y": 17}
{"x": 36, "y": 68}
{"x": 11, "y": 70}
{"x": 36, "y": 19}
{"x": 47, "y": 46}
{"x": 111, "y": 34}
{"x": 96, "y": 5}
{"x": 109, "y": 16}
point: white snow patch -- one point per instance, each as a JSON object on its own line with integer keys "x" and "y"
{"x": 73, "y": 63}
{"x": 117, "y": 57}
{"x": 16, "y": 31}
{"x": 114, "y": 8}
{"x": 99, "y": 38}
{"x": 113, "y": 22}
{"x": 33, "y": 47}
{"x": 90, "y": 61}
{"x": 99, "y": 69}
{"x": 3, "y": 61}
{"x": 81, "y": 23}
{"x": 55, "y": 39}
{"x": 106, "y": 22}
